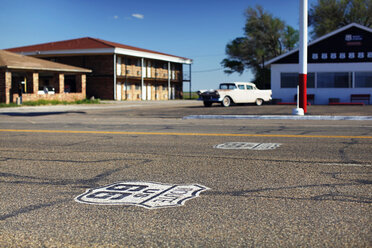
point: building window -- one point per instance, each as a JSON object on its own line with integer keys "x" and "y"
{"x": 70, "y": 84}
{"x": 118, "y": 66}
{"x": 334, "y": 79}
{"x": 290, "y": 80}
{"x": 363, "y": 79}
{"x": 360, "y": 55}
{"x": 137, "y": 86}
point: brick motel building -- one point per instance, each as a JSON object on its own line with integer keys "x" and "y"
{"x": 35, "y": 79}
{"x": 119, "y": 72}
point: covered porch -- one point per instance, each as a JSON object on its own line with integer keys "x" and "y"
{"x": 24, "y": 78}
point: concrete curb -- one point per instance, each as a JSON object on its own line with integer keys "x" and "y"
{"x": 280, "y": 117}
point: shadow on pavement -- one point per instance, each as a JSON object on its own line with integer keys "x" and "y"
{"x": 31, "y": 114}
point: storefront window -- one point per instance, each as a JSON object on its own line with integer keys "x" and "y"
{"x": 290, "y": 80}
{"x": 363, "y": 79}
{"x": 334, "y": 79}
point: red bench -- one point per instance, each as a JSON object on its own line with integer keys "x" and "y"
{"x": 346, "y": 103}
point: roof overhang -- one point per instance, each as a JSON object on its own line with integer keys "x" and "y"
{"x": 70, "y": 52}
{"x": 148, "y": 55}
{"x": 47, "y": 69}
{"x": 101, "y": 51}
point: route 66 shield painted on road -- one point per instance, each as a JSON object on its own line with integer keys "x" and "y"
{"x": 144, "y": 194}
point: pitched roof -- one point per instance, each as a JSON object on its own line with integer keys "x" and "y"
{"x": 83, "y": 44}
{"x": 16, "y": 61}
{"x": 319, "y": 40}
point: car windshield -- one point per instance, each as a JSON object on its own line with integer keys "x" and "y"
{"x": 227, "y": 86}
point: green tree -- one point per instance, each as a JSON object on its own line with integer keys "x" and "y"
{"x": 265, "y": 37}
{"x": 328, "y": 15}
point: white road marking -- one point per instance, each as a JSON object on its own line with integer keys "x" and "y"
{"x": 348, "y": 165}
{"x": 249, "y": 146}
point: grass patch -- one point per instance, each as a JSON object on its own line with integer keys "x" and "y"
{"x": 194, "y": 96}
{"x": 42, "y": 102}
{"x": 3, "y": 105}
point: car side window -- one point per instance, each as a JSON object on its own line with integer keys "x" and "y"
{"x": 227, "y": 86}
{"x": 241, "y": 86}
{"x": 249, "y": 87}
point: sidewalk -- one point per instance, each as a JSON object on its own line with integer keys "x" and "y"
{"x": 102, "y": 105}
{"x": 192, "y": 109}
{"x": 281, "y": 117}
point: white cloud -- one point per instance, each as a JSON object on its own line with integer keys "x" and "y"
{"x": 138, "y": 16}
{"x": 116, "y": 17}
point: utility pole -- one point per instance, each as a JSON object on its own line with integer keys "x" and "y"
{"x": 303, "y": 56}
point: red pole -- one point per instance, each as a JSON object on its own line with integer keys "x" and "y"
{"x": 303, "y": 56}
{"x": 303, "y": 91}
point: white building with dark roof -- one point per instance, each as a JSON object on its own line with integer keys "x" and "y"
{"x": 339, "y": 68}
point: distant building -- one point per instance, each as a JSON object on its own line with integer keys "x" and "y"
{"x": 35, "y": 79}
{"x": 339, "y": 68}
{"x": 119, "y": 72}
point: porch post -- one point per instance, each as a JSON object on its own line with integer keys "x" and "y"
{"x": 169, "y": 79}
{"x": 115, "y": 97}
{"x": 8, "y": 86}
{"x": 32, "y": 82}
{"x": 59, "y": 83}
{"x": 143, "y": 92}
{"x": 81, "y": 84}
{"x": 35, "y": 82}
{"x": 190, "y": 80}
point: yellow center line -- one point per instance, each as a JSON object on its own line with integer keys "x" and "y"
{"x": 186, "y": 134}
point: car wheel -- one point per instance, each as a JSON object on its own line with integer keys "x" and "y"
{"x": 226, "y": 102}
{"x": 259, "y": 102}
{"x": 207, "y": 104}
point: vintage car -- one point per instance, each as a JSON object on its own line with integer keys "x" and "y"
{"x": 237, "y": 92}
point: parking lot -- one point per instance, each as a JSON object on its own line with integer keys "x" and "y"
{"x": 140, "y": 174}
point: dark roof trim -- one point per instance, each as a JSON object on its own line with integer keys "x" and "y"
{"x": 319, "y": 39}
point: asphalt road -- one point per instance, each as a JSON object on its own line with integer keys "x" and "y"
{"x": 311, "y": 189}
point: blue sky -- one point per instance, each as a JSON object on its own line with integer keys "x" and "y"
{"x": 196, "y": 29}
